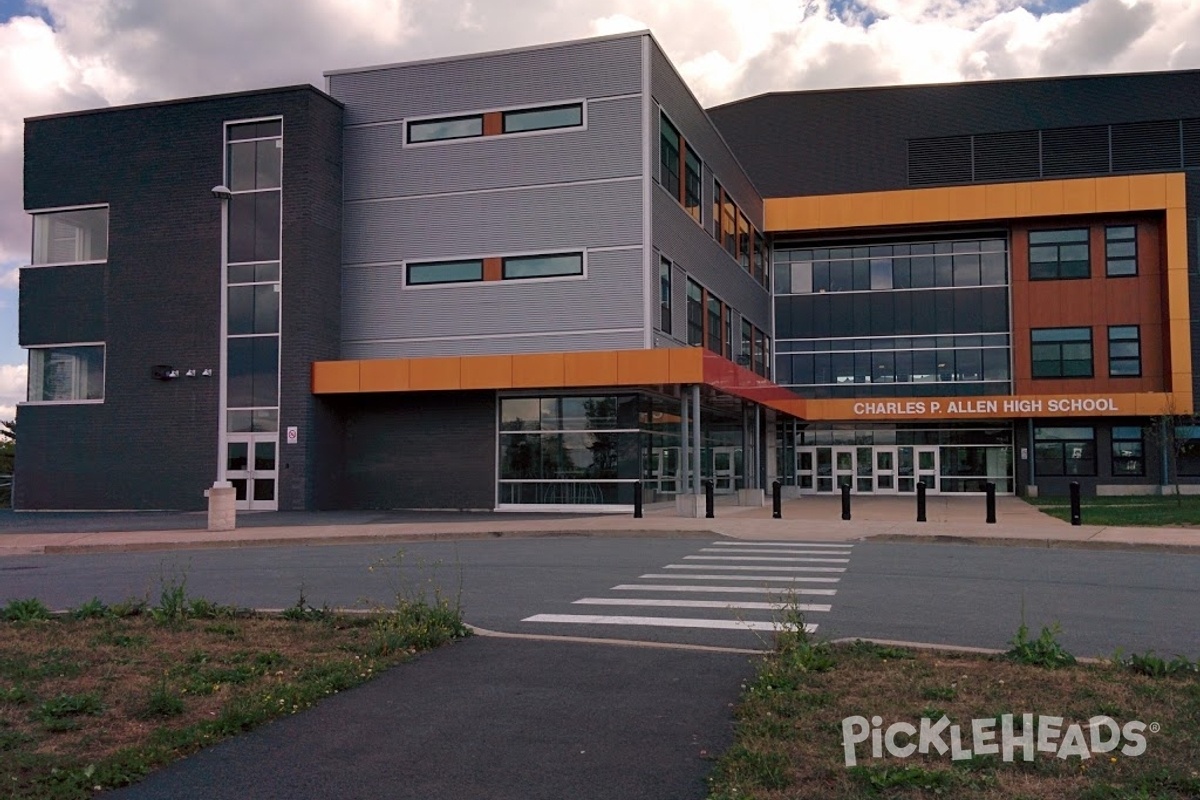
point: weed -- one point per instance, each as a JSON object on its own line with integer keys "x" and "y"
{"x": 162, "y": 702}
{"x": 302, "y": 611}
{"x": 29, "y": 610}
{"x": 745, "y": 768}
{"x": 15, "y": 695}
{"x": 173, "y": 605}
{"x": 907, "y": 776}
{"x": 117, "y": 639}
{"x": 1044, "y": 651}
{"x": 127, "y": 608}
{"x": 939, "y": 693}
{"x": 417, "y": 625}
{"x": 860, "y": 647}
{"x": 1157, "y": 667}
{"x": 57, "y": 714}
{"x": 92, "y": 609}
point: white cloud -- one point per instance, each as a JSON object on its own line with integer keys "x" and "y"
{"x": 10, "y": 278}
{"x": 12, "y": 388}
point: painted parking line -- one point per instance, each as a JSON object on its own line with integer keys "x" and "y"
{"x": 756, "y": 567}
{"x": 789, "y": 578}
{"x": 768, "y": 590}
{"x": 734, "y": 604}
{"x": 667, "y": 622}
{"x": 771, "y": 558}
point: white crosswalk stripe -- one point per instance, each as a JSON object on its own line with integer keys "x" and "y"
{"x": 771, "y": 558}
{"x": 768, "y": 589}
{"x": 772, "y": 591}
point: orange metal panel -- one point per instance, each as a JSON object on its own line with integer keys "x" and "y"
{"x": 1079, "y": 196}
{"x": 932, "y": 205}
{"x": 968, "y": 202}
{"x": 836, "y": 211}
{"x": 1000, "y": 200}
{"x": 1024, "y": 199}
{"x": 685, "y": 365}
{"x": 1112, "y": 194}
{"x": 897, "y": 206}
{"x": 639, "y": 367}
{"x": 538, "y": 371}
{"x": 492, "y": 269}
{"x": 590, "y": 369}
{"x": 1147, "y": 191}
{"x": 434, "y": 374}
{"x": 485, "y": 372}
{"x": 331, "y": 377}
{"x": 493, "y": 123}
{"x": 1046, "y": 198}
{"x": 1176, "y": 190}
{"x": 383, "y": 375}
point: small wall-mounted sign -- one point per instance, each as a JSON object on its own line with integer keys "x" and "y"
{"x": 293, "y": 434}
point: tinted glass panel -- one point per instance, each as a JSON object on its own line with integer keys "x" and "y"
{"x": 539, "y": 119}
{"x": 254, "y": 227}
{"x": 543, "y": 266}
{"x": 253, "y": 371}
{"x": 66, "y": 373}
{"x": 254, "y": 165}
{"x": 254, "y": 130}
{"x": 64, "y": 237}
{"x": 453, "y": 128}
{"x": 445, "y": 272}
{"x": 254, "y": 309}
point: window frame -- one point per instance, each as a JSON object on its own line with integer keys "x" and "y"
{"x": 691, "y": 304}
{"x": 672, "y": 165}
{"x": 714, "y": 330}
{"x": 408, "y": 265}
{"x": 72, "y": 401}
{"x": 693, "y": 204}
{"x": 1137, "y": 360}
{"x": 34, "y": 213}
{"x": 483, "y": 114}
{"x": 504, "y": 115}
{"x": 1109, "y": 260}
{"x": 505, "y": 278}
{"x": 1058, "y": 261}
{"x": 1033, "y": 361}
{"x": 1115, "y": 457}
{"x": 665, "y": 281}
{"x": 1061, "y": 445}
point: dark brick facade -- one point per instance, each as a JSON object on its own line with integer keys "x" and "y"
{"x": 421, "y": 450}
{"x": 153, "y": 444}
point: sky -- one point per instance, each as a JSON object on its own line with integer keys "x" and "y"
{"x": 65, "y": 55}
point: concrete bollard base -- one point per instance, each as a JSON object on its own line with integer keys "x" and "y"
{"x": 222, "y": 509}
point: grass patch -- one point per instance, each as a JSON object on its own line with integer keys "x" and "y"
{"x": 1147, "y": 510}
{"x": 789, "y": 739}
{"x": 96, "y": 700}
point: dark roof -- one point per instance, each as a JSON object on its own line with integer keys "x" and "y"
{"x": 300, "y": 87}
{"x": 853, "y": 140}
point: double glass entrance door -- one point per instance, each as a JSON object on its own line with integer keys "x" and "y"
{"x": 867, "y": 470}
{"x": 251, "y": 466}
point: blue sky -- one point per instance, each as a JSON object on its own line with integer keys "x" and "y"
{"x": 76, "y": 54}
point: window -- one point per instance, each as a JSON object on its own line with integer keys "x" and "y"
{"x": 718, "y": 196}
{"x": 691, "y": 182}
{"x": 1187, "y": 446}
{"x": 253, "y": 369}
{"x": 255, "y": 164}
{"x": 747, "y": 355}
{"x": 433, "y": 130}
{"x": 444, "y": 272}
{"x": 1064, "y": 451}
{"x": 744, "y": 245}
{"x": 1124, "y": 351}
{"x": 65, "y": 374}
{"x": 548, "y": 266}
{"x": 253, "y": 308}
{"x": 695, "y": 313}
{"x": 714, "y": 325}
{"x": 543, "y": 119}
{"x": 1062, "y": 352}
{"x": 1120, "y": 251}
{"x": 669, "y": 149}
{"x": 760, "y": 352}
{"x": 70, "y": 237}
{"x": 760, "y": 259}
{"x": 729, "y": 214}
{"x": 664, "y": 295}
{"x": 1056, "y": 255}
{"x": 728, "y": 333}
{"x": 1128, "y": 457}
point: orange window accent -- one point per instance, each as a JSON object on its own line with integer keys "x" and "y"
{"x": 492, "y": 270}
{"x": 383, "y": 375}
{"x": 590, "y": 369}
{"x": 335, "y": 376}
{"x": 493, "y": 123}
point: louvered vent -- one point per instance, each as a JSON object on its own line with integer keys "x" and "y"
{"x": 1007, "y": 156}
{"x": 1075, "y": 151}
{"x": 1145, "y": 146}
{"x": 1191, "y": 142}
{"x": 932, "y": 162}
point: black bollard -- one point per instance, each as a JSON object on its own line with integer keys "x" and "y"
{"x": 776, "y": 500}
{"x": 637, "y": 500}
{"x": 920, "y": 501}
{"x": 708, "y": 500}
{"x": 991, "y": 502}
{"x": 845, "y": 501}
{"x": 1076, "y": 516}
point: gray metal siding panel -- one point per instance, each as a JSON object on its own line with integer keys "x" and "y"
{"x": 558, "y": 343}
{"x": 580, "y": 69}
{"x": 537, "y": 219}
{"x": 378, "y": 165}
{"x": 686, "y": 114}
{"x": 680, "y": 239}
{"x": 376, "y": 307}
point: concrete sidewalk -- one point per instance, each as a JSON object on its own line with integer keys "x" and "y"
{"x": 808, "y": 518}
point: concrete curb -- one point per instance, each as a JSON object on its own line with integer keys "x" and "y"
{"x": 1042, "y": 544}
